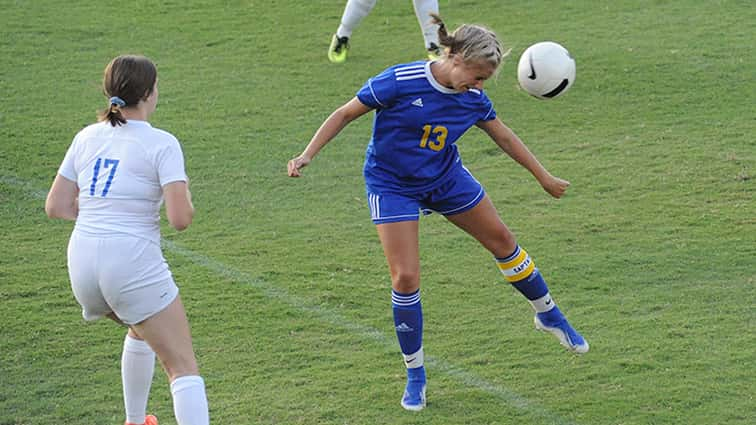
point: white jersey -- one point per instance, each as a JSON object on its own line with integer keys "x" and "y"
{"x": 121, "y": 172}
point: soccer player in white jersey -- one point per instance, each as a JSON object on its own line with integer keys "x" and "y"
{"x": 356, "y": 10}
{"x": 412, "y": 165}
{"x": 112, "y": 182}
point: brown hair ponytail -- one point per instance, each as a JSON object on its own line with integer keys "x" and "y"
{"x": 443, "y": 35}
{"x": 113, "y": 112}
{"x": 127, "y": 80}
{"x": 471, "y": 42}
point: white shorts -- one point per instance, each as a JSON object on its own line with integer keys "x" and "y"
{"x": 125, "y": 275}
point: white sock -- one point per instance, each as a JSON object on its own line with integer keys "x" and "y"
{"x": 354, "y": 12}
{"x": 137, "y": 368}
{"x": 190, "y": 401}
{"x": 423, "y": 8}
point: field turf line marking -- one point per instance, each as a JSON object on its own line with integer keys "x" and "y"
{"x": 335, "y": 319}
{"x": 271, "y": 291}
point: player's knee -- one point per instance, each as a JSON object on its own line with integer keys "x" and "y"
{"x": 502, "y": 244}
{"x": 504, "y": 249}
{"x": 404, "y": 280}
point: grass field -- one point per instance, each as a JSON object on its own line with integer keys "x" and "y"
{"x": 652, "y": 253}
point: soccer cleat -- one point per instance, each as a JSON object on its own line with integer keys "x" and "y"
{"x": 148, "y": 420}
{"x": 414, "y": 393}
{"x": 414, "y": 396}
{"x": 553, "y": 321}
{"x": 337, "y": 52}
{"x": 434, "y": 52}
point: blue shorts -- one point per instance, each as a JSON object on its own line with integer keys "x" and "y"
{"x": 458, "y": 194}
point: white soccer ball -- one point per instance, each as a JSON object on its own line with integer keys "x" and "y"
{"x": 546, "y": 70}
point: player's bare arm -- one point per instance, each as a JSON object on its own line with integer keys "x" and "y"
{"x": 511, "y": 144}
{"x": 332, "y": 126}
{"x": 62, "y": 200}
{"x": 178, "y": 204}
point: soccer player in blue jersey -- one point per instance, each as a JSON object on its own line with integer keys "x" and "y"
{"x": 412, "y": 165}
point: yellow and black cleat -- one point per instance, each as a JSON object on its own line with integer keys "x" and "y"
{"x": 337, "y": 52}
{"x": 434, "y": 52}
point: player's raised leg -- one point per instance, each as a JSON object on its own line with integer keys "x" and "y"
{"x": 423, "y": 9}
{"x": 167, "y": 332}
{"x": 484, "y": 224}
{"x": 400, "y": 245}
{"x": 354, "y": 12}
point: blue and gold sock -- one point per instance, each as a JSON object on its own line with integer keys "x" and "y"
{"x": 521, "y": 272}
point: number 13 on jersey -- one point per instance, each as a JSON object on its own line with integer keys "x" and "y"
{"x": 109, "y": 163}
{"x": 438, "y": 140}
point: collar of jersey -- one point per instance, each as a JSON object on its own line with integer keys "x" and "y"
{"x": 138, "y": 122}
{"x": 436, "y": 85}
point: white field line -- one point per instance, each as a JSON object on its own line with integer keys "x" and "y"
{"x": 335, "y": 319}
{"x": 275, "y": 292}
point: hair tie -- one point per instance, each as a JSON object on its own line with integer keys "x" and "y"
{"x": 115, "y": 100}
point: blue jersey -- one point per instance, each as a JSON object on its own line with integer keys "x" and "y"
{"x": 417, "y": 124}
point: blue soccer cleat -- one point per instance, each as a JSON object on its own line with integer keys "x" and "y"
{"x": 553, "y": 321}
{"x": 414, "y": 393}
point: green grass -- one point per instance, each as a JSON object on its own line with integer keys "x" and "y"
{"x": 652, "y": 253}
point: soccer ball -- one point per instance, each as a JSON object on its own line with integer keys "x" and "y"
{"x": 546, "y": 70}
